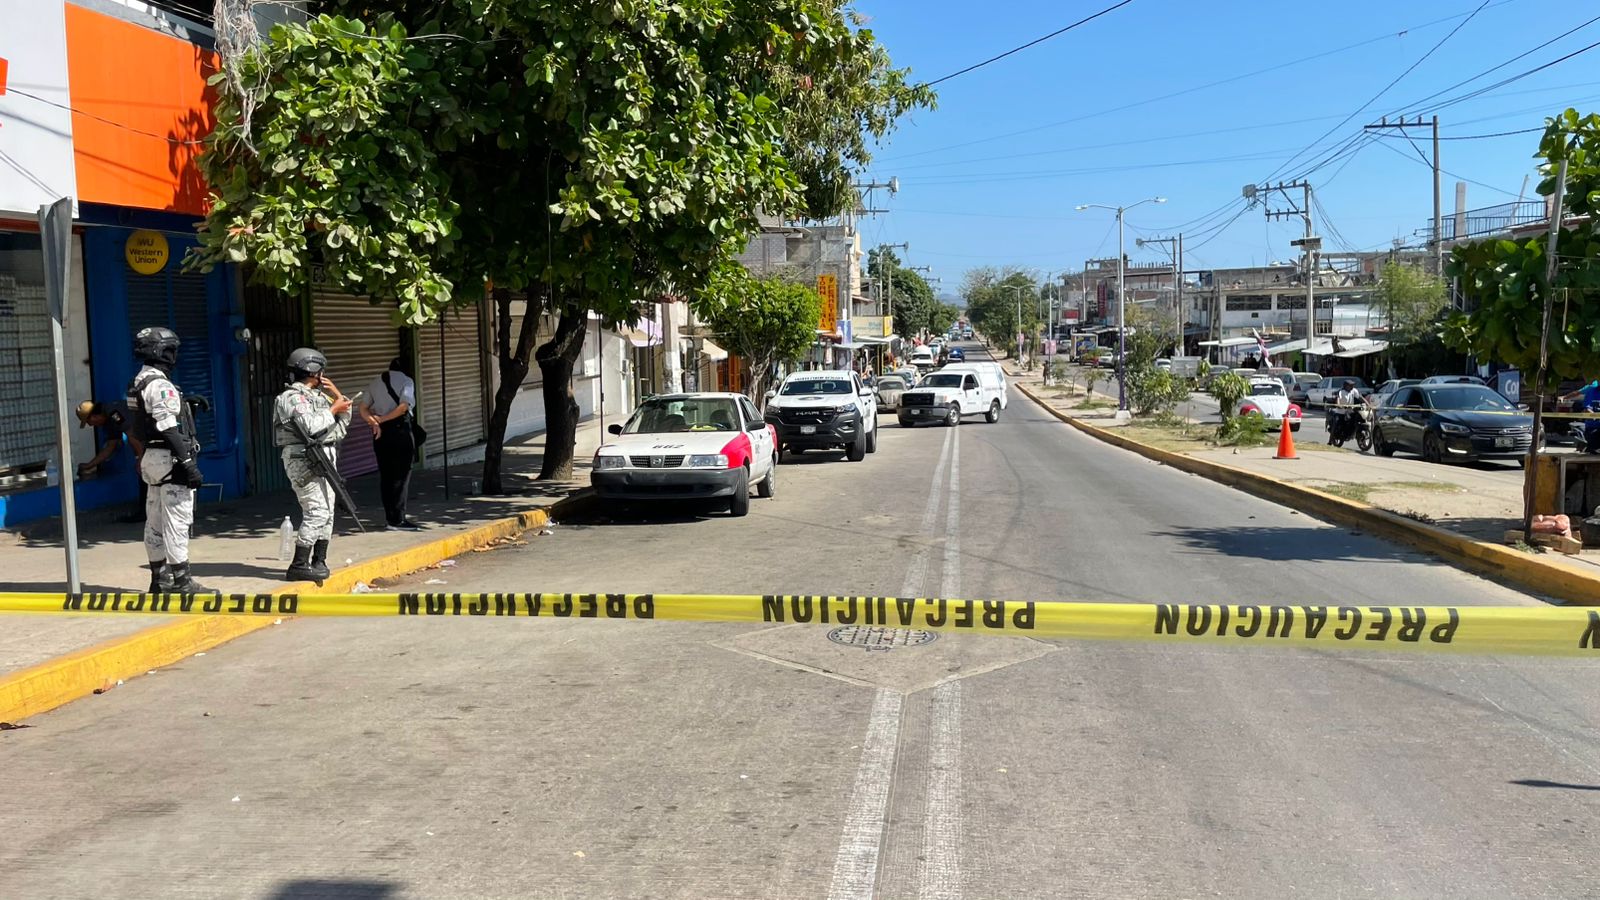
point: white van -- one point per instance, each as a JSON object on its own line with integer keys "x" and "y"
{"x": 990, "y": 375}
{"x": 948, "y": 394}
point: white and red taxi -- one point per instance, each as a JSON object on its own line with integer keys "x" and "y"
{"x": 688, "y": 447}
{"x": 1270, "y": 399}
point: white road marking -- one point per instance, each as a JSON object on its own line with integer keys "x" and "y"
{"x": 918, "y": 567}
{"x": 939, "y": 874}
{"x": 855, "y": 867}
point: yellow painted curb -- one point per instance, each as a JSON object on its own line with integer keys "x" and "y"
{"x": 36, "y": 689}
{"x": 1496, "y": 561}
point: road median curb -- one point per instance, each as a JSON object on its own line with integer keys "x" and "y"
{"x": 43, "y": 687}
{"x": 1493, "y": 560}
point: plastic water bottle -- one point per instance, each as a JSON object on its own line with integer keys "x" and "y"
{"x": 285, "y": 540}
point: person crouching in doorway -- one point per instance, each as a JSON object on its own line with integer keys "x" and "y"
{"x": 387, "y": 409}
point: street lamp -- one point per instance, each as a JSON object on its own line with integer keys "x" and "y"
{"x": 1122, "y": 327}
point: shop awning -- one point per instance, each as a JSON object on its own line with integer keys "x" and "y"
{"x": 712, "y": 351}
{"x": 1365, "y": 348}
{"x": 1226, "y": 342}
{"x": 1287, "y": 346}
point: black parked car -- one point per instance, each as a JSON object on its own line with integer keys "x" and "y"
{"x": 1452, "y": 421}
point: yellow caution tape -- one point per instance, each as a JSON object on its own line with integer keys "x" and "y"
{"x": 1545, "y": 630}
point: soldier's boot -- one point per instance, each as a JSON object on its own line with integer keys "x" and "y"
{"x": 157, "y": 570}
{"x": 319, "y": 562}
{"x": 300, "y": 567}
{"x": 182, "y": 582}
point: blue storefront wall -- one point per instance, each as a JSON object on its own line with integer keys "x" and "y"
{"x": 204, "y": 310}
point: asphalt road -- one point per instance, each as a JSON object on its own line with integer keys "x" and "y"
{"x": 586, "y": 759}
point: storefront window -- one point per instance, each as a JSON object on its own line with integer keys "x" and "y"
{"x": 27, "y": 375}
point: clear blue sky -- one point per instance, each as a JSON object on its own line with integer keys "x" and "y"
{"x": 989, "y": 203}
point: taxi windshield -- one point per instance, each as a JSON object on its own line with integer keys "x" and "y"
{"x": 666, "y": 415}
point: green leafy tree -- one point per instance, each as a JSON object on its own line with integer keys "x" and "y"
{"x": 941, "y": 316}
{"x": 993, "y": 296}
{"x": 765, "y": 321}
{"x": 908, "y": 292}
{"x": 1412, "y": 300}
{"x": 1505, "y": 282}
{"x": 588, "y": 156}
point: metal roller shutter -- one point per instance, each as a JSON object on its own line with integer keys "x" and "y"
{"x": 359, "y": 338}
{"x": 177, "y": 299}
{"x": 463, "y": 377}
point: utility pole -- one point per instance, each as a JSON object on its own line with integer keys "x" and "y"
{"x": 1310, "y": 244}
{"x": 1436, "y": 242}
{"x": 1176, "y": 248}
{"x": 883, "y": 272}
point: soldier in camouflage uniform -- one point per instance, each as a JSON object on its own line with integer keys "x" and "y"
{"x": 305, "y": 413}
{"x": 163, "y": 426}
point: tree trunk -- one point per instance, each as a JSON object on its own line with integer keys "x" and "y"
{"x": 513, "y": 363}
{"x": 556, "y": 361}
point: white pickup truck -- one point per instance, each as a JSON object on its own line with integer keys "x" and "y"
{"x": 825, "y": 410}
{"x": 948, "y": 394}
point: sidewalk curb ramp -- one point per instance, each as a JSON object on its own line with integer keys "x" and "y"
{"x": 1492, "y": 560}
{"x": 43, "y": 687}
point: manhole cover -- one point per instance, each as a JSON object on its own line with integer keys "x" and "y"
{"x": 879, "y": 638}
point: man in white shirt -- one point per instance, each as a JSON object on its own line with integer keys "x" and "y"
{"x": 386, "y": 409}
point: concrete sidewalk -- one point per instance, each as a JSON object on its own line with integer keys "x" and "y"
{"x": 235, "y": 545}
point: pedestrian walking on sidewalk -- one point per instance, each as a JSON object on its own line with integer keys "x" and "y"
{"x": 161, "y": 423}
{"x": 305, "y": 415}
{"x": 388, "y": 410}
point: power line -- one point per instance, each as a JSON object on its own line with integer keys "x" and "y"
{"x": 74, "y": 110}
{"x": 1128, "y": 143}
{"x": 1396, "y": 80}
{"x": 1147, "y": 101}
{"x": 1424, "y": 162}
{"x": 1036, "y": 41}
{"x": 1526, "y": 53}
{"x": 1518, "y": 77}
{"x": 1479, "y": 137}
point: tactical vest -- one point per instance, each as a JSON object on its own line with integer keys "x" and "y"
{"x": 142, "y": 425}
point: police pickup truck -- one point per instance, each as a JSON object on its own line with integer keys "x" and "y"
{"x": 823, "y": 411}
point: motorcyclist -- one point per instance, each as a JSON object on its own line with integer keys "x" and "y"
{"x": 1343, "y": 416}
{"x": 1588, "y": 401}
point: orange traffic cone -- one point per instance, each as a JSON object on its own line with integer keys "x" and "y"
{"x": 1285, "y": 442}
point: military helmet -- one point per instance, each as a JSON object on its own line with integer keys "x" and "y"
{"x": 156, "y": 344}
{"x": 307, "y": 361}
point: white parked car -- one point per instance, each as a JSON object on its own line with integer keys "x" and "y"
{"x": 825, "y": 410}
{"x": 1323, "y": 392}
{"x": 947, "y": 395}
{"x": 1269, "y": 398}
{"x": 923, "y": 359}
{"x": 689, "y": 446}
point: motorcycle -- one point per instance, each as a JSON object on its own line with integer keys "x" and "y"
{"x": 1344, "y": 424}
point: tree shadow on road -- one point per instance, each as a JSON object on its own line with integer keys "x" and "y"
{"x": 1541, "y": 783}
{"x": 1279, "y": 543}
{"x": 334, "y": 889}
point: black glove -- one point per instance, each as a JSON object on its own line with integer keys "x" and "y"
{"x": 198, "y": 404}
{"x": 190, "y": 470}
